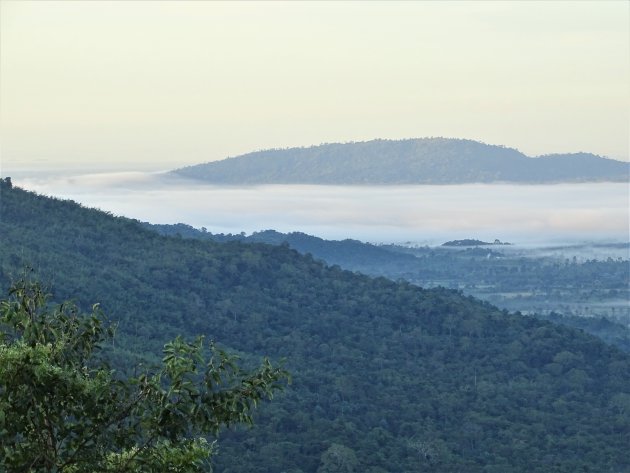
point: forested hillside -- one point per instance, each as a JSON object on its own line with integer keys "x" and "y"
{"x": 590, "y": 294}
{"x": 388, "y": 377}
{"x": 412, "y": 161}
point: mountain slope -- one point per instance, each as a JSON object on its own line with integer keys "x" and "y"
{"x": 403, "y": 378}
{"x": 532, "y": 278}
{"x": 349, "y": 254}
{"x": 413, "y": 161}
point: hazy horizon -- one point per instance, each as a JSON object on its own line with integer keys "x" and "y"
{"x": 30, "y": 170}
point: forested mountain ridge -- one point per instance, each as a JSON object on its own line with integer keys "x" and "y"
{"x": 411, "y": 161}
{"x": 550, "y": 286}
{"x": 387, "y": 376}
{"x": 349, "y": 254}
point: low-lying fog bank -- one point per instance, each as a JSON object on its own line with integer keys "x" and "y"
{"x": 523, "y": 214}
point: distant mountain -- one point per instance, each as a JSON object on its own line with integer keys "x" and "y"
{"x": 412, "y": 161}
{"x": 473, "y": 242}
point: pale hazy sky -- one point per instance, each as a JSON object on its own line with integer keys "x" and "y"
{"x": 157, "y": 85}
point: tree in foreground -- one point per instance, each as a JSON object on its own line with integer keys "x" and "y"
{"x": 62, "y": 409}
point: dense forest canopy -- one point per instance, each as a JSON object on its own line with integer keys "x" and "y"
{"x": 412, "y": 161}
{"x": 387, "y": 376}
{"x": 589, "y": 293}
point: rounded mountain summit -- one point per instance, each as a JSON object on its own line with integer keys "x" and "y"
{"x": 410, "y": 161}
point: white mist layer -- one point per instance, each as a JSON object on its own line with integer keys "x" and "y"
{"x": 420, "y": 214}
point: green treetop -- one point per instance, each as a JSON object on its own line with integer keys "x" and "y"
{"x": 63, "y": 410}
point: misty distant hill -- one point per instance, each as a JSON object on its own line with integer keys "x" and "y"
{"x": 473, "y": 242}
{"x": 412, "y": 161}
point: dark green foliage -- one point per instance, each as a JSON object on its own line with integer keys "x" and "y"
{"x": 611, "y": 332}
{"x": 63, "y": 410}
{"x": 523, "y": 281}
{"x": 407, "y": 379}
{"x": 413, "y": 161}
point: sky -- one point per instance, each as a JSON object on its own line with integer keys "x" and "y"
{"x": 101, "y": 86}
